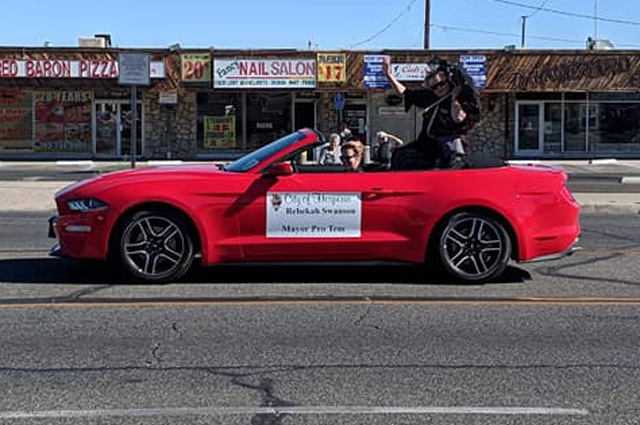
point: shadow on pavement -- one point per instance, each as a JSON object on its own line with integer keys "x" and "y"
{"x": 62, "y": 271}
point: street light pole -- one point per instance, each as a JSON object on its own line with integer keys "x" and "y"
{"x": 524, "y": 24}
{"x": 427, "y": 22}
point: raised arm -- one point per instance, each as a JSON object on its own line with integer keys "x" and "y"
{"x": 397, "y": 85}
{"x": 396, "y": 142}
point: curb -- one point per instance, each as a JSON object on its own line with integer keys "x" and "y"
{"x": 630, "y": 180}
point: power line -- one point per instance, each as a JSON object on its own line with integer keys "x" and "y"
{"x": 505, "y": 34}
{"x": 537, "y": 9}
{"x": 575, "y": 15}
{"x": 386, "y": 27}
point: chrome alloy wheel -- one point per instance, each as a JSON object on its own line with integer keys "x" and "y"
{"x": 474, "y": 247}
{"x": 154, "y": 246}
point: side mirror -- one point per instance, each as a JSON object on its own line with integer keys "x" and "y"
{"x": 280, "y": 169}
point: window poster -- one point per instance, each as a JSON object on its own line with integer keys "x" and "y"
{"x": 16, "y": 130}
{"x": 63, "y": 121}
{"x": 220, "y": 132}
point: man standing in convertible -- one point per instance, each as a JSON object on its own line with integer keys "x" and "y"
{"x": 450, "y": 108}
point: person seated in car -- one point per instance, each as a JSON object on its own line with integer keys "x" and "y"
{"x": 331, "y": 154}
{"x": 387, "y": 143}
{"x": 352, "y": 158}
{"x": 352, "y": 153}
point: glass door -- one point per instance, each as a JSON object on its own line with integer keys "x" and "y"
{"x": 107, "y": 134}
{"x": 113, "y": 129}
{"x": 529, "y": 127}
{"x": 125, "y": 131}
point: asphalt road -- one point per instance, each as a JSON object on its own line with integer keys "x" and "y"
{"x": 551, "y": 343}
{"x": 606, "y": 267}
{"x": 291, "y": 363}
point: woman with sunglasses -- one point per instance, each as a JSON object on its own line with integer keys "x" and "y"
{"x": 450, "y": 108}
{"x": 352, "y": 156}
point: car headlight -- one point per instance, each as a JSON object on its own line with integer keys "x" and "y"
{"x": 86, "y": 205}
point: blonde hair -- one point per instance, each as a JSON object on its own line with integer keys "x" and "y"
{"x": 356, "y": 145}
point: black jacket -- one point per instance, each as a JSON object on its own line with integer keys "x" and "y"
{"x": 437, "y": 121}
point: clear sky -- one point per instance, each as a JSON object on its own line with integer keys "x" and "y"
{"x": 326, "y": 24}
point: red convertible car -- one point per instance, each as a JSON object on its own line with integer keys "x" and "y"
{"x": 273, "y": 205}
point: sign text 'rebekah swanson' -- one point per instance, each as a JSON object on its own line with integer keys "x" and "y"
{"x": 314, "y": 215}
{"x": 62, "y": 68}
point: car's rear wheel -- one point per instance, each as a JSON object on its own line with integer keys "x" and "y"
{"x": 473, "y": 247}
{"x": 155, "y": 246}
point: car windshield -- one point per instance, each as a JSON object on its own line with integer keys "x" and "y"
{"x": 249, "y": 161}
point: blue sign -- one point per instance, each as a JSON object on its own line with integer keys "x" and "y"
{"x": 374, "y": 76}
{"x": 476, "y": 67}
{"x": 338, "y": 101}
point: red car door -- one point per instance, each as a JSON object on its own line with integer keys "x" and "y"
{"x": 331, "y": 216}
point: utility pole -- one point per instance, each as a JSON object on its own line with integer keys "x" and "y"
{"x": 524, "y": 24}
{"x": 427, "y": 22}
{"x": 595, "y": 19}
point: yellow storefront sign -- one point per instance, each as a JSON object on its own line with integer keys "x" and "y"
{"x": 332, "y": 67}
{"x": 195, "y": 67}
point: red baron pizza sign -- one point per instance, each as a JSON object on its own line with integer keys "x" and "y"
{"x": 60, "y": 68}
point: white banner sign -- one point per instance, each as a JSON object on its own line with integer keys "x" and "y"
{"x": 57, "y": 68}
{"x": 409, "y": 71}
{"x": 264, "y": 73}
{"x": 314, "y": 215}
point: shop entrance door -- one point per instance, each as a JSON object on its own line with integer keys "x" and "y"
{"x": 529, "y": 127}
{"x": 355, "y": 115}
{"x": 113, "y": 129}
{"x": 304, "y": 114}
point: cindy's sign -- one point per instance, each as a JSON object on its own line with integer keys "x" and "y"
{"x": 264, "y": 73}
{"x": 61, "y": 68}
{"x": 409, "y": 71}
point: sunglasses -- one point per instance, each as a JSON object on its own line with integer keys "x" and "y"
{"x": 438, "y": 85}
{"x": 348, "y": 157}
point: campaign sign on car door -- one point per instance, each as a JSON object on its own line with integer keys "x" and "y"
{"x": 313, "y": 215}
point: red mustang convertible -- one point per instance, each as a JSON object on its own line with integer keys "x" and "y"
{"x": 274, "y": 205}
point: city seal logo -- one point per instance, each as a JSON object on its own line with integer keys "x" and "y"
{"x": 276, "y": 201}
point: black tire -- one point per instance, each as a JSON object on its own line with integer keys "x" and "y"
{"x": 155, "y": 246}
{"x": 473, "y": 247}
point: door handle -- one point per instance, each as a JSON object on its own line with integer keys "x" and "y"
{"x": 379, "y": 191}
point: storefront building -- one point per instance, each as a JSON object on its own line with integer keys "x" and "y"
{"x": 67, "y": 103}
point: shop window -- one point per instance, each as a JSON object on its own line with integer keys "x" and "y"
{"x": 16, "y": 118}
{"x": 553, "y": 128}
{"x": 617, "y": 128}
{"x": 219, "y": 122}
{"x": 63, "y": 121}
{"x": 614, "y": 96}
{"x": 268, "y": 118}
{"x": 575, "y": 96}
{"x": 575, "y": 127}
{"x": 537, "y": 96}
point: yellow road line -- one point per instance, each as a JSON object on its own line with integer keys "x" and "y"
{"x": 269, "y": 302}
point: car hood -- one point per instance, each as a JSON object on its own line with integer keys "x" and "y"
{"x": 161, "y": 172}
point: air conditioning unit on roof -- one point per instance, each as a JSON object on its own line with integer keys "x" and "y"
{"x": 92, "y": 42}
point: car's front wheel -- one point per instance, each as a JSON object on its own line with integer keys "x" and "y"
{"x": 473, "y": 247}
{"x": 155, "y": 246}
